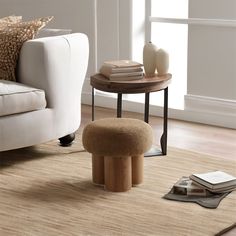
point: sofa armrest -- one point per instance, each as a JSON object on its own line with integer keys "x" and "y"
{"x": 57, "y": 65}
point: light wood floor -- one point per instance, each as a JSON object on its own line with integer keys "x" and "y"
{"x": 212, "y": 140}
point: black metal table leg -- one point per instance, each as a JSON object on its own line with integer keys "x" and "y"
{"x": 146, "y": 109}
{"x": 165, "y": 121}
{"x": 92, "y": 103}
{"x": 155, "y": 151}
{"x": 119, "y": 105}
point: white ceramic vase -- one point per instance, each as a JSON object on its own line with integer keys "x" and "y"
{"x": 162, "y": 61}
{"x": 149, "y": 59}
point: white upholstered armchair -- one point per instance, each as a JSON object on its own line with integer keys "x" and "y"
{"x": 45, "y": 104}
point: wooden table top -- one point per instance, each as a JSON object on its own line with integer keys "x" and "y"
{"x": 145, "y": 85}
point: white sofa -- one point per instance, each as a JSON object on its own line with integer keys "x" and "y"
{"x": 45, "y": 104}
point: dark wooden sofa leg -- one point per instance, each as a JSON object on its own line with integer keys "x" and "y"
{"x": 67, "y": 140}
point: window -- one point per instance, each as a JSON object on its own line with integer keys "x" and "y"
{"x": 171, "y": 37}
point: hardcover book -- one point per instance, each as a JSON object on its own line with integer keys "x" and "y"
{"x": 215, "y": 181}
{"x": 126, "y": 78}
{"x": 122, "y": 70}
{"x": 123, "y": 63}
{"x": 108, "y": 70}
{"x": 117, "y": 75}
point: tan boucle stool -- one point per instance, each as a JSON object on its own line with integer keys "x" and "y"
{"x": 117, "y": 146}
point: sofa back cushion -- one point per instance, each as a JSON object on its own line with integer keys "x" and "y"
{"x": 12, "y": 38}
{"x": 8, "y": 20}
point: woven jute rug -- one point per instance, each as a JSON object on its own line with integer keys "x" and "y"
{"x": 47, "y": 190}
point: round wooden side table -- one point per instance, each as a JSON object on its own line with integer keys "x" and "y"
{"x": 145, "y": 85}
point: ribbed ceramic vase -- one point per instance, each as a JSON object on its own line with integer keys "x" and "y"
{"x": 149, "y": 59}
{"x": 162, "y": 61}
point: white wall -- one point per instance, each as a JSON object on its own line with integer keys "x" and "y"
{"x": 212, "y": 51}
{"x": 113, "y": 30}
{"x": 213, "y": 9}
{"x": 211, "y": 88}
{"x": 77, "y": 15}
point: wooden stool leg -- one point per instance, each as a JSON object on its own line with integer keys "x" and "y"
{"x": 118, "y": 173}
{"x": 137, "y": 169}
{"x": 98, "y": 169}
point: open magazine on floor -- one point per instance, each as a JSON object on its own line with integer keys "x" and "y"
{"x": 185, "y": 186}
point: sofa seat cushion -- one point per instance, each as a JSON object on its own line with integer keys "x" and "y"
{"x": 18, "y": 98}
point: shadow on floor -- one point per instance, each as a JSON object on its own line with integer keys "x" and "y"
{"x": 81, "y": 191}
{"x": 12, "y": 157}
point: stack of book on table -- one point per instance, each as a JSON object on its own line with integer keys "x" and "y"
{"x": 122, "y": 70}
{"x": 205, "y": 184}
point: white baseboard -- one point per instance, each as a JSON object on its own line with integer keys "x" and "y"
{"x": 210, "y": 104}
{"x": 211, "y": 111}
